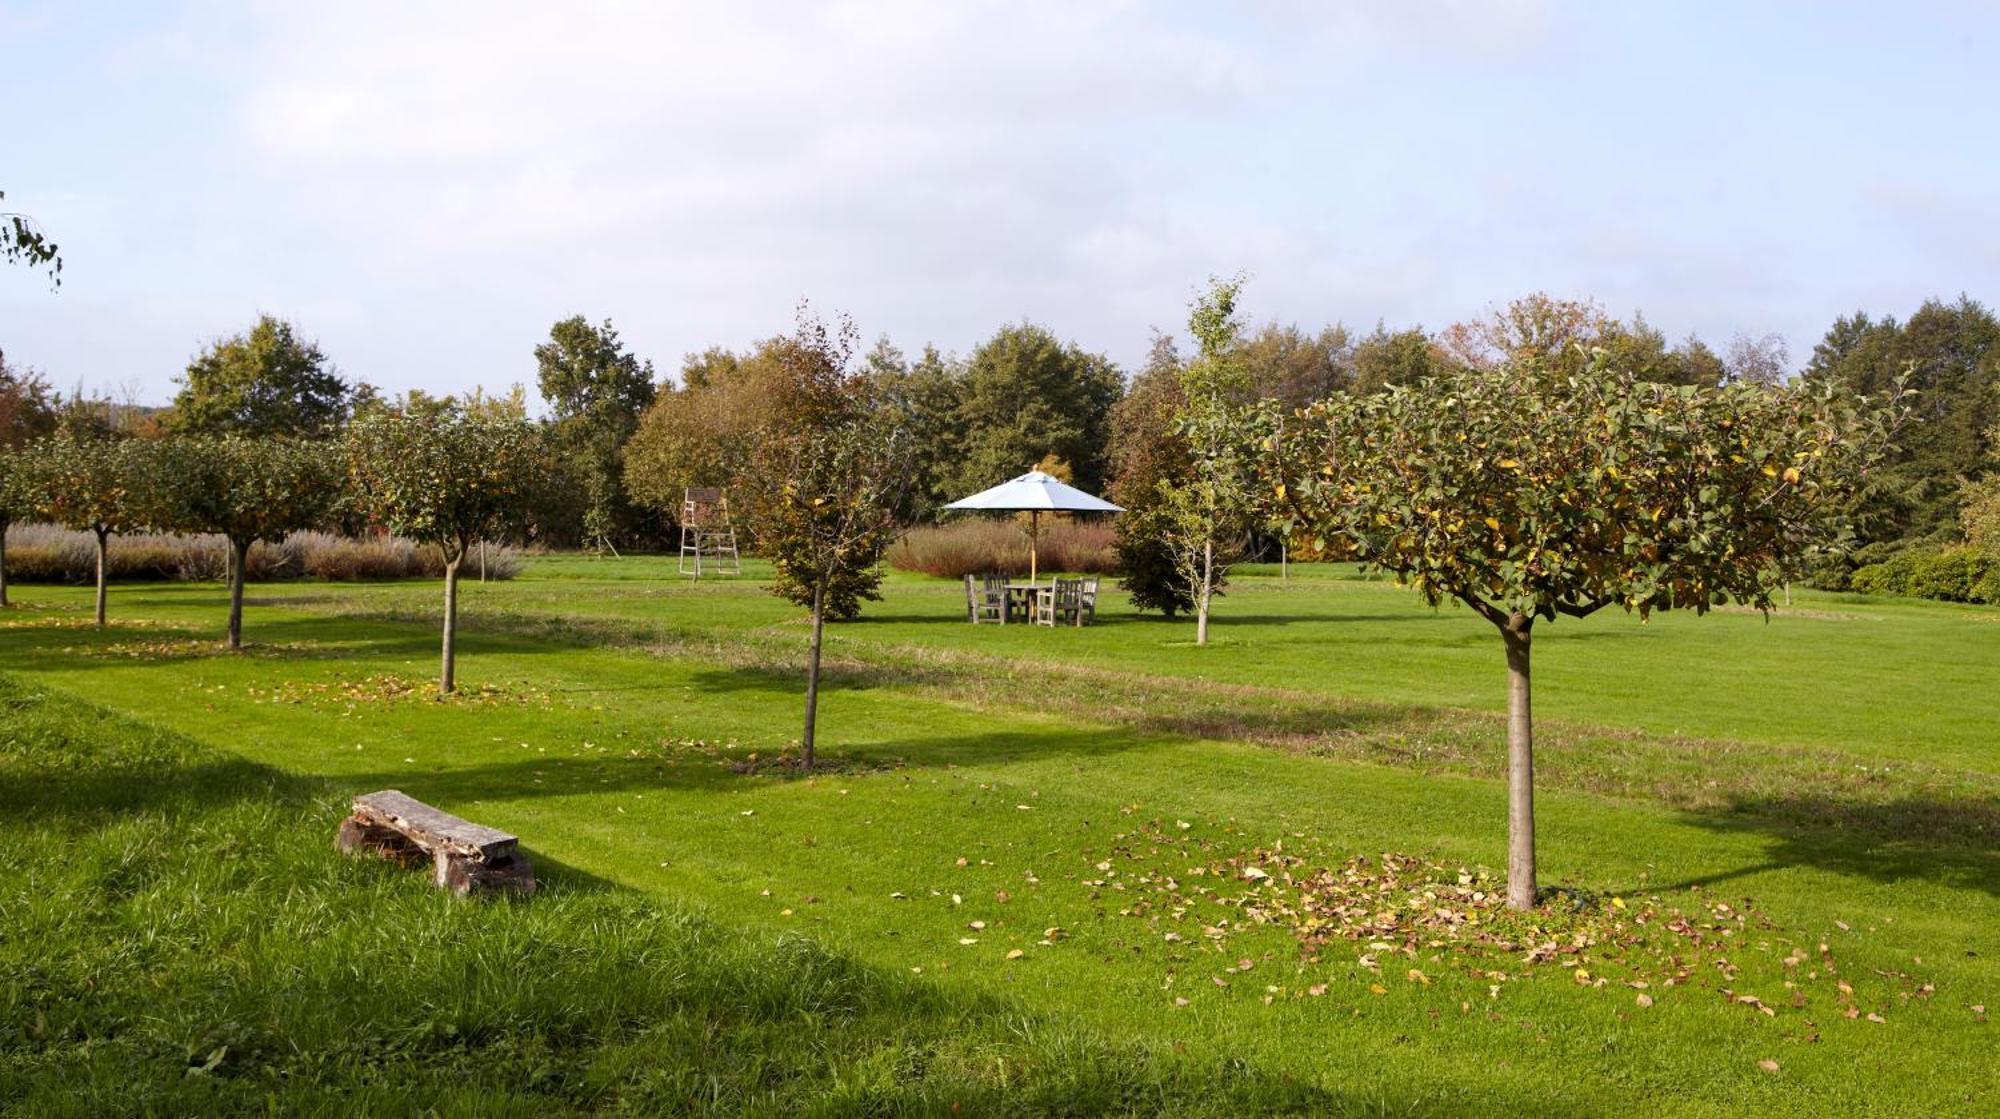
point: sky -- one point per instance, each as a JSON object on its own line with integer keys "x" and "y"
{"x": 425, "y": 187}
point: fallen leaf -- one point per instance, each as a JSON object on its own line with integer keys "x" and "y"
{"x": 1379, "y": 989}
{"x": 1016, "y": 954}
{"x": 968, "y": 941}
{"x": 1419, "y": 977}
{"x": 1316, "y": 990}
{"x": 1644, "y": 1000}
{"x": 1768, "y": 1065}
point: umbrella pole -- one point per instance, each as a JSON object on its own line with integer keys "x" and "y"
{"x": 1034, "y": 544}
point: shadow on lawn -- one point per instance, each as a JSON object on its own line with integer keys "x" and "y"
{"x": 63, "y": 759}
{"x": 1950, "y": 842}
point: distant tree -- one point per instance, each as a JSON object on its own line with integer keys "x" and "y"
{"x": 1027, "y": 395}
{"x": 15, "y": 504}
{"x": 1698, "y": 364}
{"x": 1404, "y": 357}
{"x": 926, "y": 397}
{"x": 27, "y": 406}
{"x": 246, "y": 489}
{"x": 92, "y": 483}
{"x": 1286, "y": 365}
{"x": 708, "y": 432}
{"x": 824, "y": 490}
{"x": 1538, "y": 489}
{"x": 596, "y": 390}
{"x": 1537, "y": 327}
{"x": 23, "y": 242}
{"x": 1950, "y": 355}
{"x": 1207, "y": 513}
{"x": 268, "y": 381}
{"x": 1147, "y": 449}
{"x": 446, "y": 479}
{"x": 1760, "y": 360}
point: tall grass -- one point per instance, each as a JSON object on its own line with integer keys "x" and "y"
{"x": 41, "y": 553}
{"x": 973, "y": 547}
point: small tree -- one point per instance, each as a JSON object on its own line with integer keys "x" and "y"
{"x": 446, "y": 479}
{"x": 825, "y": 487}
{"x": 1529, "y": 492}
{"x": 1204, "y": 515}
{"x": 95, "y": 484}
{"x": 249, "y": 489}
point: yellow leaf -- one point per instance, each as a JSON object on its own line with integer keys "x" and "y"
{"x": 1378, "y": 988}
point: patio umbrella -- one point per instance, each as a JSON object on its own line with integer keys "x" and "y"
{"x": 1034, "y": 493}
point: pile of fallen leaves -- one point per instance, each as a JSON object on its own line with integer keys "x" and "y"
{"x": 1396, "y": 915}
{"x": 387, "y": 688}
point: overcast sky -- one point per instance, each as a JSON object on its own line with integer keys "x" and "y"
{"x": 425, "y": 187}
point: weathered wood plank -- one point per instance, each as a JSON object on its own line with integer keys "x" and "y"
{"x": 464, "y": 856}
{"x": 432, "y": 827}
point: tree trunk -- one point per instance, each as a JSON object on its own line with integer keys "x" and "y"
{"x": 103, "y": 570}
{"x": 448, "y": 677}
{"x": 1520, "y": 767}
{"x": 3, "y": 564}
{"x": 806, "y": 755}
{"x": 1284, "y": 561}
{"x": 482, "y": 561}
{"x": 1202, "y": 592}
{"x": 239, "y": 550}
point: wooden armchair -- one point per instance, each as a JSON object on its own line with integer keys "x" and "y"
{"x": 1061, "y": 604}
{"x": 1089, "y": 601}
{"x": 985, "y": 600}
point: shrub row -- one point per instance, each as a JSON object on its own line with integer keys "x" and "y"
{"x": 1960, "y": 574}
{"x": 973, "y": 547}
{"x": 47, "y": 554}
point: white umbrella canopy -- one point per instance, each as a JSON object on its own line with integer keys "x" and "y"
{"x": 1034, "y": 493}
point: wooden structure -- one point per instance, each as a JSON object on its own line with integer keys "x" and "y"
{"x": 708, "y": 537}
{"x": 464, "y": 856}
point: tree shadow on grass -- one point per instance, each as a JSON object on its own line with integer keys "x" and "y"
{"x": 1945, "y": 841}
{"x": 725, "y": 994}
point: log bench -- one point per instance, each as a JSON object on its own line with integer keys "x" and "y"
{"x": 464, "y": 856}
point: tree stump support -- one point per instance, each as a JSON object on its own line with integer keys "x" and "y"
{"x": 465, "y": 857}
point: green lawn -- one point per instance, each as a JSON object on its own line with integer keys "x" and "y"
{"x": 1830, "y": 772}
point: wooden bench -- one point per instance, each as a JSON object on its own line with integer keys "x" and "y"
{"x": 464, "y": 856}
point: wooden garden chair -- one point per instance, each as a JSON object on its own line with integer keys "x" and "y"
{"x": 1061, "y": 604}
{"x": 985, "y": 600}
{"x": 1089, "y": 601}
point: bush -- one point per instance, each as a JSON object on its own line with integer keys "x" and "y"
{"x": 41, "y": 553}
{"x": 977, "y": 547}
{"x": 1950, "y": 575}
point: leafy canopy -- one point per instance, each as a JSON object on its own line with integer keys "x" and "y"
{"x": 92, "y": 483}
{"x": 443, "y": 476}
{"x": 251, "y": 489}
{"x": 1534, "y": 489}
